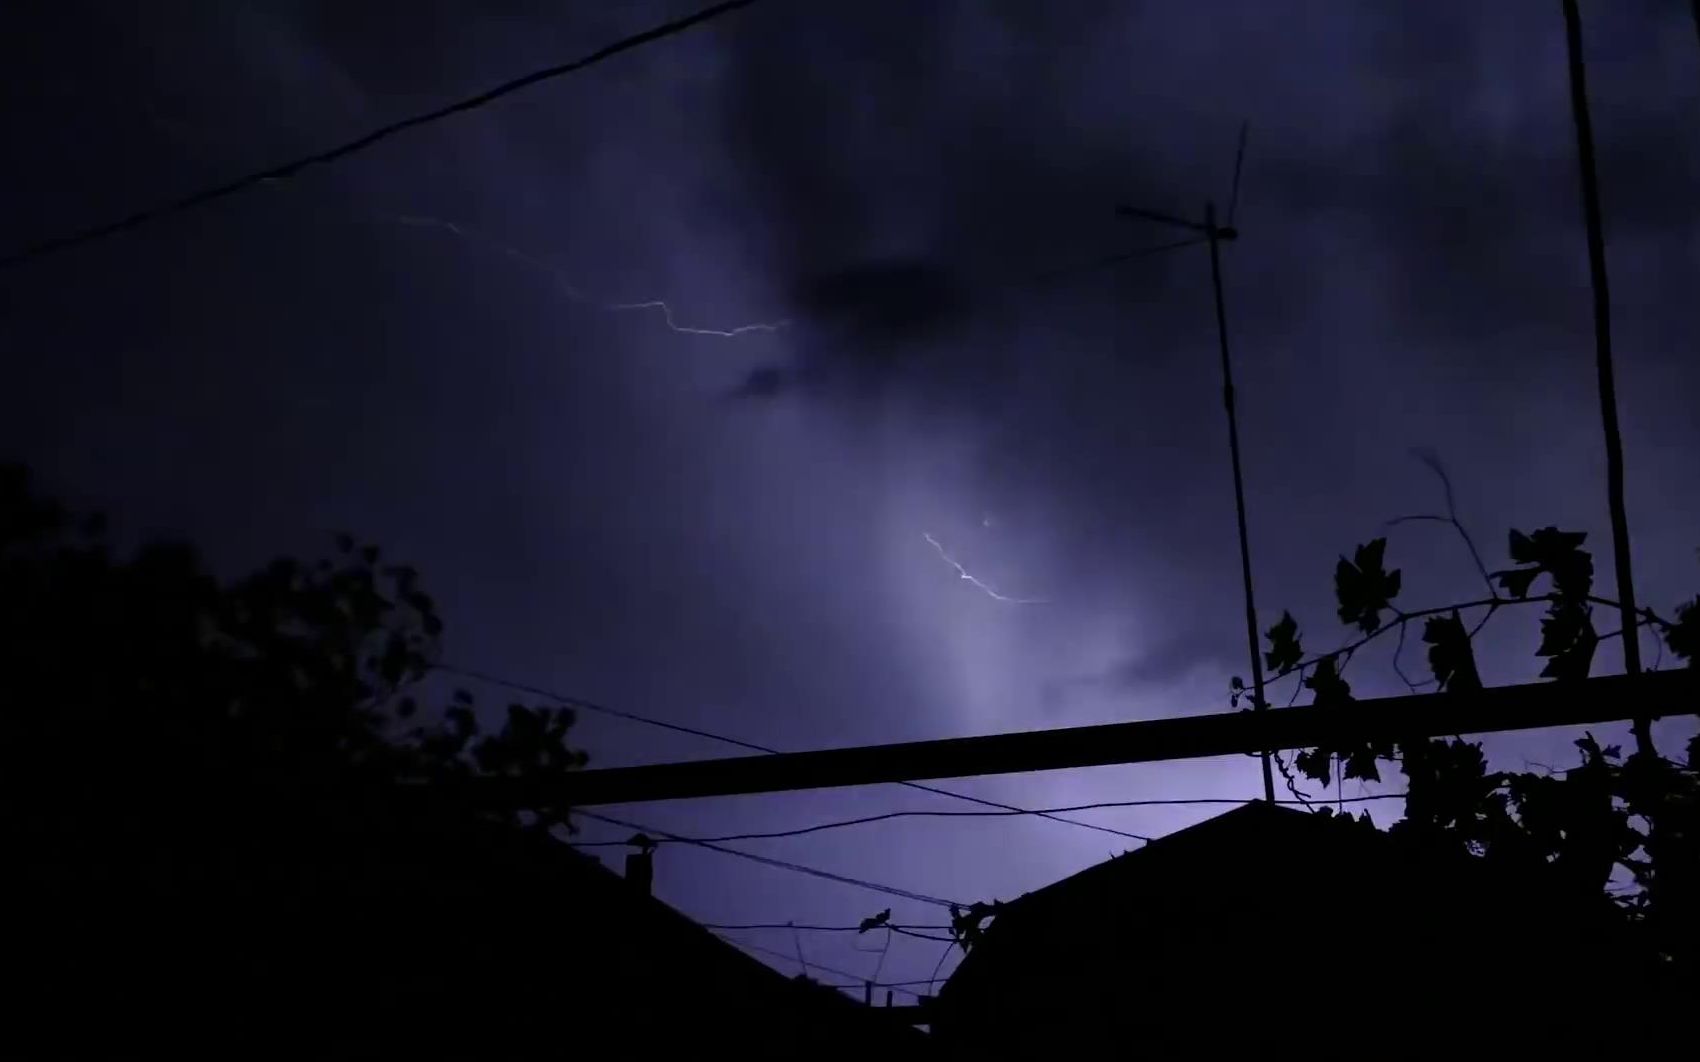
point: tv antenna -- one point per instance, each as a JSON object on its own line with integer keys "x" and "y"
{"x": 1209, "y": 231}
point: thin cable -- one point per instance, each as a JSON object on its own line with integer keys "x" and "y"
{"x": 948, "y": 948}
{"x": 839, "y": 824}
{"x": 861, "y": 982}
{"x": 916, "y": 931}
{"x": 827, "y": 875}
{"x": 384, "y": 132}
{"x": 920, "y": 936}
{"x": 818, "y": 928}
{"x": 1114, "y": 259}
{"x": 591, "y": 706}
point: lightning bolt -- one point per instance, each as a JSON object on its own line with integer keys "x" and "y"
{"x": 979, "y": 584}
{"x": 565, "y": 285}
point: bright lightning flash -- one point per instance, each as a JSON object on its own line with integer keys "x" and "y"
{"x": 979, "y": 584}
{"x": 567, "y": 287}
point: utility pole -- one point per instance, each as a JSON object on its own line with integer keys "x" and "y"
{"x": 1216, "y": 235}
{"x": 1603, "y": 358}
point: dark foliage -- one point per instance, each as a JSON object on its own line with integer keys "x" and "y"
{"x": 1609, "y": 824}
{"x": 1364, "y": 587}
{"x": 156, "y": 713}
{"x": 1450, "y": 655}
{"x": 238, "y": 778}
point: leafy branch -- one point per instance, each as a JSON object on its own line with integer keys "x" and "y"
{"x": 1641, "y": 814}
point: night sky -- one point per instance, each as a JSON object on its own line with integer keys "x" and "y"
{"x": 688, "y": 380}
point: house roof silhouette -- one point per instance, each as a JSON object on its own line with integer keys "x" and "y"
{"x": 415, "y": 930}
{"x": 1264, "y": 916}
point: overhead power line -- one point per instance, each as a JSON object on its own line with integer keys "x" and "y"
{"x": 1114, "y": 259}
{"x": 824, "y": 929}
{"x": 292, "y": 167}
{"x": 799, "y": 868}
{"x": 600, "y": 709}
{"x": 839, "y": 824}
{"x": 918, "y": 932}
{"x": 592, "y": 706}
{"x": 860, "y": 983}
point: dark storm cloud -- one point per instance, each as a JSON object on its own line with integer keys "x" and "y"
{"x": 1459, "y": 171}
{"x": 868, "y": 324}
{"x": 884, "y": 302}
{"x": 1478, "y": 214}
{"x": 906, "y": 208}
{"x": 1168, "y": 660}
{"x": 1410, "y": 194}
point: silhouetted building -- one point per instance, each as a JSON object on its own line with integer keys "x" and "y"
{"x": 1286, "y": 932}
{"x": 398, "y": 933}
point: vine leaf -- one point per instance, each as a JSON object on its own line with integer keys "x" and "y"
{"x": 1314, "y": 763}
{"x": 1551, "y": 552}
{"x": 1284, "y": 651}
{"x": 1569, "y": 639}
{"x": 1683, "y": 637}
{"x": 1549, "y": 547}
{"x": 1450, "y": 655}
{"x": 1516, "y": 581}
{"x": 1360, "y": 762}
{"x": 1357, "y": 762}
{"x": 1329, "y": 687}
{"x": 1364, "y": 587}
{"x": 1449, "y": 787}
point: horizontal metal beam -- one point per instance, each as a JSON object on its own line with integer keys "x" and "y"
{"x": 1597, "y": 700}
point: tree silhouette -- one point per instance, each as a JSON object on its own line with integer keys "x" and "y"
{"x": 1630, "y": 827}
{"x": 155, "y": 712}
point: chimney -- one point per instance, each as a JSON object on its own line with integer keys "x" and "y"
{"x": 640, "y": 865}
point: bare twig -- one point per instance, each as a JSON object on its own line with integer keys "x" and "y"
{"x": 1648, "y": 616}
{"x": 1292, "y": 784}
{"x": 1491, "y": 603}
{"x": 1345, "y": 657}
{"x": 1430, "y": 459}
{"x": 1352, "y": 647}
{"x": 1399, "y": 669}
{"x": 1477, "y": 629}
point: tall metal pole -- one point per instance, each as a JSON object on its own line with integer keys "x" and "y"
{"x": 1603, "y": 357}
{"x": 1217, "y": 234}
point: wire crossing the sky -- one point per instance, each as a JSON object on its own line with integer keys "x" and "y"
{"x": 839, "y": 824}
{"x": 285, "y": 170}
{"x": 810, "y": 928}
{"x": 901, "y": 986}
{"x": 592, "y": 706}
{"x": 826, "y": 875}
